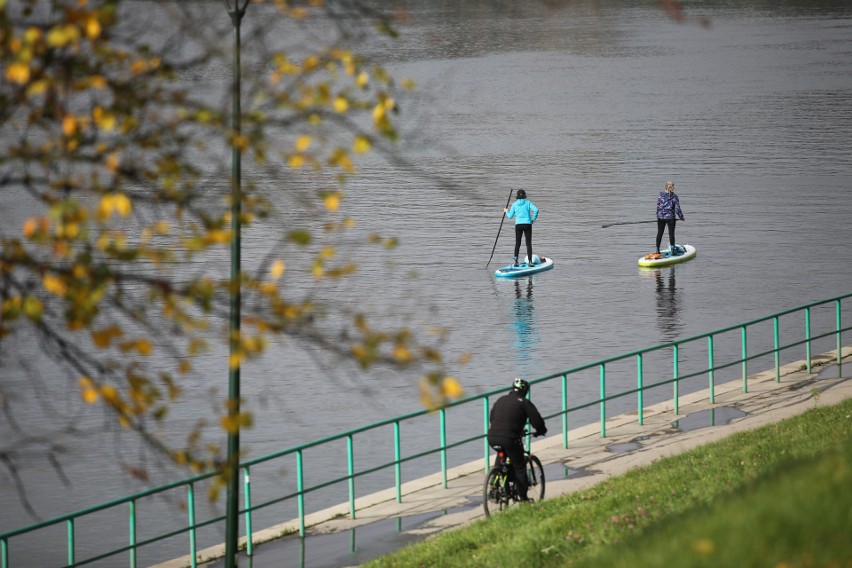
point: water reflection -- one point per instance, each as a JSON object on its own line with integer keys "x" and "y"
{"x": 524, "y": 323}
{"x": 668, "y": 303}
{"x": 348, "y": 547}
{"x": 710, "y": 417}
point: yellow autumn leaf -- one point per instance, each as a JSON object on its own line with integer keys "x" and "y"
{"x": 60, "y": 36}
{"x": 144, "y": 347}
{"x": 54, "y": 285}
{"x": 331, "y": 201}
{"x": 112, "y": 162}
{"x": 379, "y": 112}
{"x": 303, "y": 143}
{"x": 93, "y": 27}
{"x": 184, "y": 367}
{"x": 37, "y": 88}
{"x": 18, "y": 73}
{"x": 69, "y": 125}
{"x": 88, "y": 391}
{"x": 32, "y": 307}
{"x": 363, "y": 79}
{"x": 103, "y": 119}
{"x": 277, "y": 269}
{"x": 451, "y": 388}
{"x": 361, "y": 144}
{"x": 295, "y": 161}
{"x": 30, "y": 226}
{"x": 32, "y": 34}
{"x": 98, "y": 82}
{"x": 341, "y": 105}
{"x": 122, "y": 204}
{"x": 110, "y": 394}
{"x": 234, "y": 360}
{"x": 138, "y": 66}
{"x": 402, "y": 354}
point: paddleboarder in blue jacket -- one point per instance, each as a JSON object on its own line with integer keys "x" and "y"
{"x": 668, "y": 212}
{"x": 525, "y": 213}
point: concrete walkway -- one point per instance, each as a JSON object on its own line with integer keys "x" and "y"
{"x": 590, "y": 458}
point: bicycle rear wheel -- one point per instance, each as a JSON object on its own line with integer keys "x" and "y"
{"x": 535, "y": 478}
{"x": 494, "y": 493}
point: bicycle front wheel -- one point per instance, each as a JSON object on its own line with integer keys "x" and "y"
{"x": 535, "y": 478}
{"x": 494, "y": 492}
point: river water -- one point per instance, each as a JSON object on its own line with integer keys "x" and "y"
{"x": 590, "y": 108}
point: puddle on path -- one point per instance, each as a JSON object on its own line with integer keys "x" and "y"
{"x": 623, "y": 447}
{"x": 346, "y": 548}
{"x": 707, "y": 418}
{"x": 559, "y": 470}
{"x": 828, "y": 372}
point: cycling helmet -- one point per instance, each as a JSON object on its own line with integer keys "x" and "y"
{"x": 521, "y": 385}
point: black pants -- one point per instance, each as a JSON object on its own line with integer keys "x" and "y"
{"x": 524, "y": 229}
{"x": 661, "y": 226}
{"x": 515, "y": 452}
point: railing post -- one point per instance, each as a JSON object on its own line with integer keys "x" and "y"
{"x": 712, "y": 369}
{"x": 443, "y": 428}
{"x": 641, "y": 391}
{"x": 4, "y": 553}
{"x": 247, "y": 496}
{"x": 839, "y": 333}
{"x": 603, "y": 400}
{"x": 745, "y": 358}
{"x": 300, "y": 486}
{"x": 808, "y": 338}
{"x": 193, "y": 543}
{"x": 132, "y": 534}
{"x": 776, "y": 335}
{"x": 397, "y": 456}
{"x": 350, "y": 470}
{"x": 71, "y": 552}
{"x": 675, "y": 373}
{"x": 564, "y": 411}
{"x": 485, "y": 424}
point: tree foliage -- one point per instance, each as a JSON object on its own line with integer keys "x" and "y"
{"x": 121, "y": 163}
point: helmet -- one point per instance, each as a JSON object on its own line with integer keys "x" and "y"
{"x": 521, "y": 385}
{"x": 521, "y": 194}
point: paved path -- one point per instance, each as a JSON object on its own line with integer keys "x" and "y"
{"x": 590, "y": 458}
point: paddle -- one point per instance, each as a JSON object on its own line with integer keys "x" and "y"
{"x": 502, "y": 217}
{"x": 628, "y": 223}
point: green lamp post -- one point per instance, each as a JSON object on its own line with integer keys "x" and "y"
{"x": 236, "y": 9}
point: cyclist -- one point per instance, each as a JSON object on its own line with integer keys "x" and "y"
{"x": 508, "y": 419}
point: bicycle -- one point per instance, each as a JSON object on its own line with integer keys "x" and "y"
{"x": 500, "y": 491}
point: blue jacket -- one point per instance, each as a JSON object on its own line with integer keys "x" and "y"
{"x": 524, "y": 211}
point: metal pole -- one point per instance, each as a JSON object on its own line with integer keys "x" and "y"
{"x": 233, "y": 496}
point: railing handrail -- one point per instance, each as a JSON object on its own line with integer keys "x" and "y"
{"x": 601, "y": 363}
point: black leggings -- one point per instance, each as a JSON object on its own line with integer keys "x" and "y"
{"x": 661, "y": 226}
{"x": 526, "y": 230}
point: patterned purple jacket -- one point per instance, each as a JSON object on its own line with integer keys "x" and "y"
{"x": 668, "y": 206}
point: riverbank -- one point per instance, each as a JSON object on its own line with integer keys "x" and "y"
{"x": 774, "y": 496}
{"x": 588, "y": 461}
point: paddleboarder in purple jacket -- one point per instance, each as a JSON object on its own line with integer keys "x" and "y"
{"x": 668, "y": 212}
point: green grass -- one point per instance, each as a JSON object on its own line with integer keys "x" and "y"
{"x": 778, "y": 496}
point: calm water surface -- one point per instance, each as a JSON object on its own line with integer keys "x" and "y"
{"x": 590, "y": 109}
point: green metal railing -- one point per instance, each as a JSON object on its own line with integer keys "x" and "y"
{"x": 642, "y": 386}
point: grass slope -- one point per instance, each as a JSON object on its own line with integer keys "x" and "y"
{"x": 777, "y": 496}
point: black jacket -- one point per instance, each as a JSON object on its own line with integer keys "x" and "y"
{"x": 509, "y": 416}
